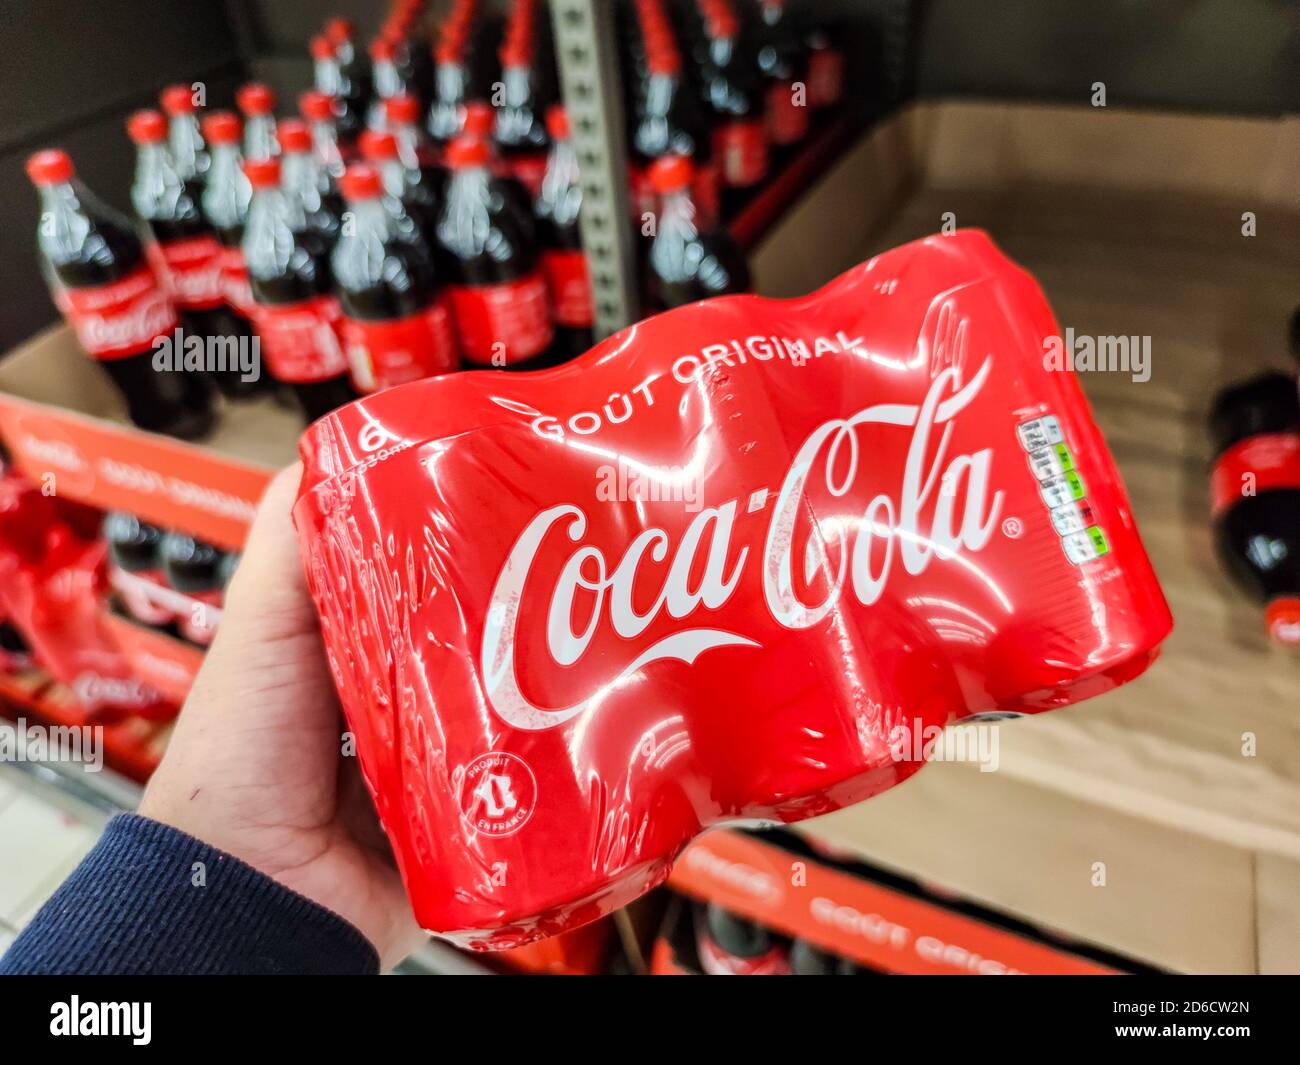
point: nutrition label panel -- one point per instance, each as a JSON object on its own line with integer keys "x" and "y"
{"x": 1062, "y": 489}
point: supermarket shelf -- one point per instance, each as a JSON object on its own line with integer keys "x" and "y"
{"x": 65, "y": 428}
{"x": 163, "y": 662}
{"x": 132, "y": 748}
{"x": 862, "y": 919}
{"x": 105, "y": 792}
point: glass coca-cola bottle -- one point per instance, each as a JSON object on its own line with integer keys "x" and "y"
{"x": 688, "y": 262}
{"x": 135, "y": 568}
{"x": 319, "y": 112}
{"x": 1255, "y": 495}
{"x": 733, "y": 90}
{"x": 226, "y": 196}
{"x": 193, "y": 568}
{"x": 184, "y": 136}
{"x": 288, "y": 270}
{"x": 671, "y": 121}
{"x": 419, "y": 200}
{"x": 256, "y": 102}
{"x": 106, "y": 288}
{"x": 396, "y": 325}
{"x": 306, "y": 179}
{"x": 187, "y": 255}
{"x": 520, "y": 125}
{"x": 563, "y": 260}
{"x": 499, "y": 297}
{"x": 783, "y": 62}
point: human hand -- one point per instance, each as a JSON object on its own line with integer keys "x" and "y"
{"x": 254, "y": 767}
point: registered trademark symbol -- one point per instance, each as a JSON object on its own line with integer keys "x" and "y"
{"x": 1013, "y": 527}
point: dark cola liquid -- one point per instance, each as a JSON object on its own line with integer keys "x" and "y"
{"x": 557, "y": 231}
{"x": 735, "y": 935}
{"x": 132, "y": 543}
{"x": 185, "y": 221}
{"x": 354, "y": 96}
{"x": 133, "y": 547}
{"x": 238, "y": 327}
{"x": 191, "y": 566}
{"x": 160, "y": 401}
{"x": 570, "y": 341}
{"x": 809, "y": 960}
{"x": 1258, "y": 540}
{"x": 11, "y": 640}
{"x": 306, "y": 278}
{"x": 1258, "y": 536}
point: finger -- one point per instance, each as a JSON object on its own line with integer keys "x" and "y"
{"x": 268, "y": 592}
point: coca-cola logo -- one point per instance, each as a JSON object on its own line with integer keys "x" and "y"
{"x": 94, "y": 690}
{"x": 135, "y": 325}
{"x": 942, "y": 505}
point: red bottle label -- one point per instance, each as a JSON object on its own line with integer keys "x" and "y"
{"x": 717, "y": 962}
{"x": 640, "y": 192}
{"x": 384, "y": 354}
{"x": 825, "y": 77}
{"x": 569, "y": 280}
{"x": 193, "y": 272}
{"x": 707, "y": 193}
{"x": 138, "y": 593}
{"x": 1254, "y": 465}
{"x": 235, "y": 289}
{"x": 742, "y": 147}
{"x": 300, "y": 341}
{"x": 529, "y": 170}
{"x": 120, "y": 319}
{"x": 787, "y": 121}
{"x": 503, "y": 324}
{"x": 198, "y": 624}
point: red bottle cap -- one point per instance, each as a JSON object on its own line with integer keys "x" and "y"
{"x": 50, "y": 167}
{"x": 293, "y": 135}
{"x": 262, "y": 173}
{"x": 557, "y": 122}
{"x": 322, "y": 47}
{"x": 339, "y": 30}
{"x": 222, "y": 127}
{"x": 178, "y": 100}
{"x": 376, "y": 146}
{"x": 1283, "y": 619}
{"x": 402, "y": 110}
{"x": 147, "y": 127}
{"x": 672, "y": 172}
{"x": 664, "y": 61}
{"x": 447, "y": 51}
{"x": 255, "y": 99}
{"x": 478, "y": 119}
{"x": 467, "y": 151}
{"x": 316, "y": 106}
{"x": 381, "y": 49}
{"x": 514, "y": 53}
{"x": 361, "y": 182}
{"x": 723, "y": 22}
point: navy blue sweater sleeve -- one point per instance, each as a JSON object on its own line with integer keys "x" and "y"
{"x": 135, "y": 905}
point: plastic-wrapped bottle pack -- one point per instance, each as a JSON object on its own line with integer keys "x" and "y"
{"x": 729, "y": 564}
